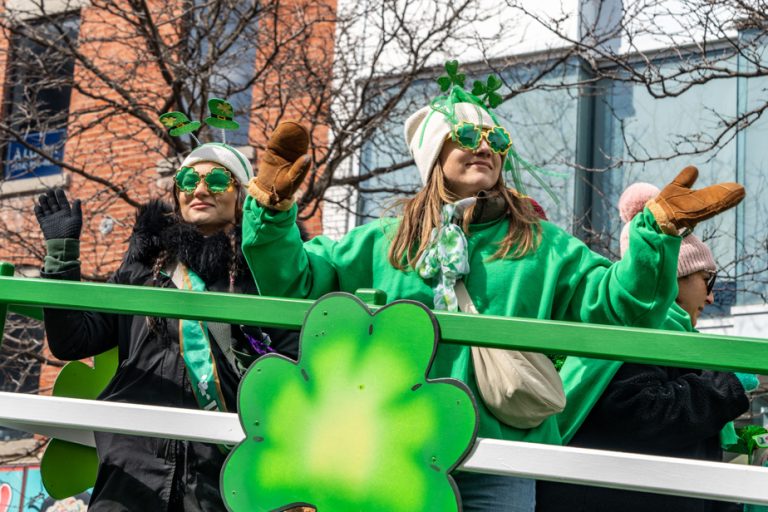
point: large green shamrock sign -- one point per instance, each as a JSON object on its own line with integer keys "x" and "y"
{"x": 355, "y": 424}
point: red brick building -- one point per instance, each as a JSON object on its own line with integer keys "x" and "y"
{"x": 119, "y": 68}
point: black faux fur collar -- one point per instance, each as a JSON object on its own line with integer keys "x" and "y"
{"x": 159, "y": 232}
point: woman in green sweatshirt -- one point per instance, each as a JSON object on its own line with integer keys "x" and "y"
{"x": 512, "y": 263}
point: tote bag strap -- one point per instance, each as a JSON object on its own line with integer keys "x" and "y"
{"x": 462, "y": 297}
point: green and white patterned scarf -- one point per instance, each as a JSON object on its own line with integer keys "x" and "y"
{"x": 446, "y": 258}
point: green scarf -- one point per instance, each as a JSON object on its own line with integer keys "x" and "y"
{"x": 446, "y": 258}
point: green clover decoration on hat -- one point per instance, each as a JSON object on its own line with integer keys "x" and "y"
{"x": 355, "y": 423}
{"x": 178, "y": 124}
{"x": 222, "y": 115}
{"x": 486, "y": 96}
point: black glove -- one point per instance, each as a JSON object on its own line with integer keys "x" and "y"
{"x": 56, "y": 217}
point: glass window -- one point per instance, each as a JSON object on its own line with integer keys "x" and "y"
{"x": 40, "y": 84}
{"x": 642, "y": 138}
{"x": 223, "y": 40}
{"x": 752, "y": 264}
{"x": 386, "y": 148}
{"x": 542, "y": 123}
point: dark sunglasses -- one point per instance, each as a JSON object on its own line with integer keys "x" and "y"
{"x": 218, "y": 180}
{"x": 469, "y": 136}
{"x": 711, "y": 282}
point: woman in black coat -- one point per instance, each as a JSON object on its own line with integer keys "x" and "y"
{"x": 194, "y": 244}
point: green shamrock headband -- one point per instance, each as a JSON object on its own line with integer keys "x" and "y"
{"x": 484, "y": 96}
{"x": 222, "y": 117}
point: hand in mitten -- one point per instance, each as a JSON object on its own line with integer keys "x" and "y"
{"x": 679, "y": 207}
{"x": 282, "y": 167}
{"x": 748, "y": 380}
{"x": 56, "y": 217}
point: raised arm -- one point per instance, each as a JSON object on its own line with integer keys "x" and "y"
{"x": 639, "y": 289}
{"x": 71, "y": 334}
{"x": 272, "y": 243}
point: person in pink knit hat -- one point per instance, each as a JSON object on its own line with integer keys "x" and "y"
{"x": 651, "y": 409}
{"x": 696, "y": 270}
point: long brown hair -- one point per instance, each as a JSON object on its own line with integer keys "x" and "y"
{"x": 422, "y": 213}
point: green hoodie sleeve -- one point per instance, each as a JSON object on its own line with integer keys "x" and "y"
{"x": 284, "y": 266}
{"x": 281, "y": 264}
{"x": 637, "y": 290}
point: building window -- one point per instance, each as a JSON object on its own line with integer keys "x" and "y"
{"x": 225, "y": 41}
{"x": 641, "y": 138}
{"x": 37, "y": 101}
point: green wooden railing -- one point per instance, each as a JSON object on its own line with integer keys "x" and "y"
{"x": 26, "y": 296}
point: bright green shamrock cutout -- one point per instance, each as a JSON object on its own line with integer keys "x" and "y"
{"x": 453, "y": 78}
{"x": 487, "y": 91}
{"x": 178, "y": 124}
{"x": 222, "y": 115}
{"x": 70, "y": 468}
{"x": 355, "y": 424}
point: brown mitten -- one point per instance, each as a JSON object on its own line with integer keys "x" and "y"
{"x": 678, "y": 207}
{"x": 282, "y": 167}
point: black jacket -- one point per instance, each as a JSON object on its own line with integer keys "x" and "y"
{"x": 654, "y": 410}
{"x": 142, "y": 473}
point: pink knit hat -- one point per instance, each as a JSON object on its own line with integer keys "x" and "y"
{"x": 694, "y": 254}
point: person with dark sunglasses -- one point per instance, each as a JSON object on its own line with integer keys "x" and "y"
{"x": 651, "y": 409}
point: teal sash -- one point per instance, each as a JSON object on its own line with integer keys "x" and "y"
{"x": 196, "y": 352}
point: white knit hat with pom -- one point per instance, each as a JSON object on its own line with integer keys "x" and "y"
{"x": 694, "y": 254}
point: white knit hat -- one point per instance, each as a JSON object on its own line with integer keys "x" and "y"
{"x": 427, "y": 129}
{"x": 223, "y": 154}
{"x": 694, "y": 254}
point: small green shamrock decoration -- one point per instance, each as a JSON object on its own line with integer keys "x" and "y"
{"x": 453, "y": 78}
{"x": 748, "y": 439}
{"x": 487, "y": 91}
{"x": 177, "y": 123}
{"x": 222, "y": 115}
{"x": 68, "y": 468}
{"x": 355, "y": 424}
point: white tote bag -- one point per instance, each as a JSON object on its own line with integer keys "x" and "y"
{"x": 521, "y": 389}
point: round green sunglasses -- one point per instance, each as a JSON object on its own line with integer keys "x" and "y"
{"x": 469, "y": 135}
{"x": 218, "y": 180}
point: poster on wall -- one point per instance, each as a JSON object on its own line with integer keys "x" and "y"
{"x": 11, "y": 488}
{"x": 23, "y": 162}
{"x": 21, "y": 490}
